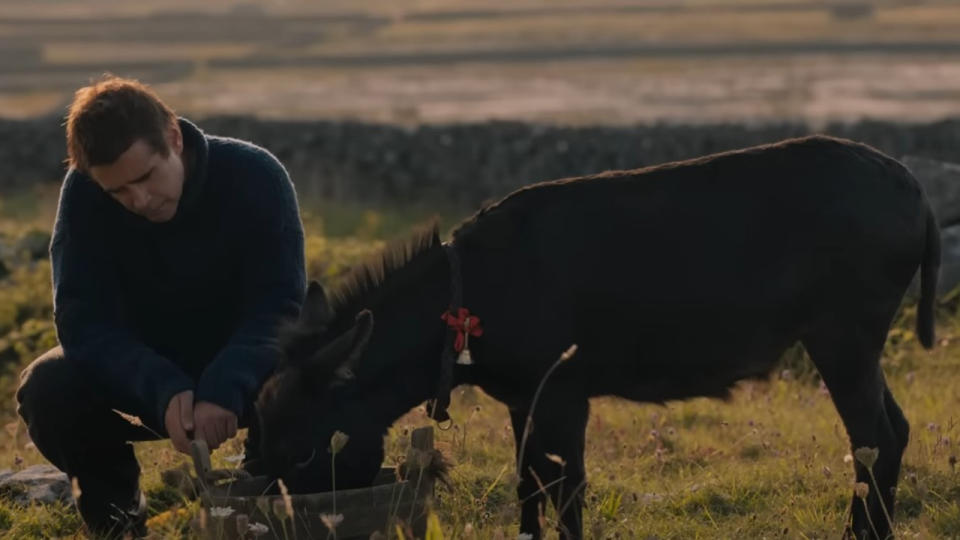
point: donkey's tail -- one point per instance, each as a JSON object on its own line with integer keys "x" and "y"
{"x": 929, "y": 269}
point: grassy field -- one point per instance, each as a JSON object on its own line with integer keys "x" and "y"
{"x": 772, "y": 463}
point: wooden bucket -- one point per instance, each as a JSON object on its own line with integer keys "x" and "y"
{"x": 383, "y": 505}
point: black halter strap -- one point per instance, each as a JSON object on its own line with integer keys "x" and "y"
{"x": 437, "y": 407}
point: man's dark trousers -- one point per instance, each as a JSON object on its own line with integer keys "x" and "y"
{"x": 74, "y": 424}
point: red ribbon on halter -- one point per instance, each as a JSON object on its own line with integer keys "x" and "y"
{"x": 462, "y": 323}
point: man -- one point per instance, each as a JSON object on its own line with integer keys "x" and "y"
{"x": 175, "y": 257}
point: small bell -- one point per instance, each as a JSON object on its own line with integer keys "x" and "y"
{"x": 465, "y": 359}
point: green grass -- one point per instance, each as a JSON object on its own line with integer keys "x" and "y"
{"x": 770, "y": 463}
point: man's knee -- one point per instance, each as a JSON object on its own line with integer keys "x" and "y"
{"x": 45, "y": 380}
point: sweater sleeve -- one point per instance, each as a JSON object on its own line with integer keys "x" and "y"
{"x": 273, "y": 287}
{"x": 86, "y": 310}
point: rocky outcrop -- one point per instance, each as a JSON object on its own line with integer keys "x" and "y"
{"x": 36, "y": 484}
{"x": 941, "y": 182}
{"x": 949, "y": 260}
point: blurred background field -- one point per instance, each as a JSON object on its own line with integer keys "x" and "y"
{"x": 416, "y": 61}
{"x": 391, "y": 114}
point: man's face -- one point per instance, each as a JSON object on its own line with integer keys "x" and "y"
{"x": 144, "y": 181}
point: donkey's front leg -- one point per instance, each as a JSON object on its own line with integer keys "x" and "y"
{"x": 551, "y": 462}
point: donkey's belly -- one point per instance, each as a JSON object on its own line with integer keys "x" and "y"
{"x": 654, "y": 363}
{"x": 657, "y": 370}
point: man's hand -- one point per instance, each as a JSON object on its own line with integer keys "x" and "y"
{"x": 213, "y": 424}
{"x": 179, "y": 420}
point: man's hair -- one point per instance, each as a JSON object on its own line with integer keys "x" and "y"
{"x": 108, "y": 116}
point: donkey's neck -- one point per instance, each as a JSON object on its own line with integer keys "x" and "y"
{"x": 402, "y": 363}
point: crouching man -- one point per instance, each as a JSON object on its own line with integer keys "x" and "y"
{"x": 175, "y": 256}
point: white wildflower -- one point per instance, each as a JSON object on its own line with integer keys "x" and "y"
{"x": 220, "y": 511}
{"x": 861, "y": 489}
{"x": 867, "y": 456}
{"x": 331, "y": 520}
{"x": 258, "y": 529}
{"x": 338, "y": 441}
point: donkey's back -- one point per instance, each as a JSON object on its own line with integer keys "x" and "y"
{"x": 738, "y": 254}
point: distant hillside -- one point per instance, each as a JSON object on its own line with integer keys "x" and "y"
{"x": 570, "y": 61}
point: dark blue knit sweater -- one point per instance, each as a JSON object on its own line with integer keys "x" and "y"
{"x": 149, "y": 310}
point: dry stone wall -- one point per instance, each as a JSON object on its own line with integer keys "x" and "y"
{"x": 464, "y": 165}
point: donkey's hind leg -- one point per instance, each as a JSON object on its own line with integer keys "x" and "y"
{"x": 848, "y": 361}
{"x": 901, "y": 428}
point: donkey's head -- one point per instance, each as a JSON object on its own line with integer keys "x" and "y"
{"x": 327, "y": 380}
{"x": 308, "y": 399}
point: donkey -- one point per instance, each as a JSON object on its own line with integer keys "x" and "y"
{"x": 674, "y": 281}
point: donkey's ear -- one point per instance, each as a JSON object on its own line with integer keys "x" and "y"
{"x": 315, "y": 310}
{"x": 364, "y": 329}
{"x": 336, "y": 361}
